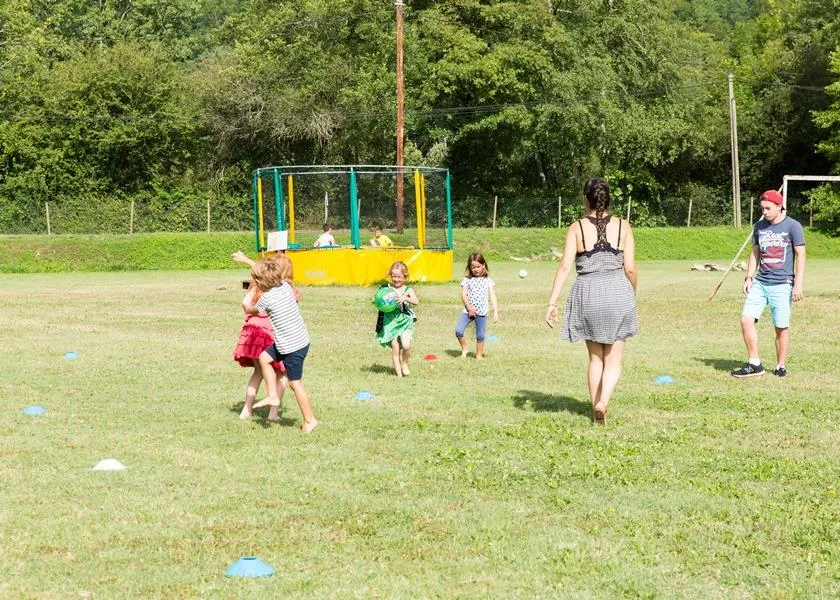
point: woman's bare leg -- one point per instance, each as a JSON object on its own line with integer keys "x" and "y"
{"x": 613, "y": 355}
{"x": 596, "y": 370}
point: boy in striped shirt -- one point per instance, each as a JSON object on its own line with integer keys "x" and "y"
{"x": 291, "y": 338}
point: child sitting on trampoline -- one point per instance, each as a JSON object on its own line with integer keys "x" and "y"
{"x": 380, "y": 240}
{"x": 395, "y": 329}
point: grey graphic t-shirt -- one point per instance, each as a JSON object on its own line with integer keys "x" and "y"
{"x": 775, "y": 249}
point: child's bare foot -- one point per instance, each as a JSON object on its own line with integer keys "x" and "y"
{"x": 246, "y": 412}
{"x": 405, "y": 370}
{"x": 274, "y": 413}
{"x": 463, "y": 354}
{"x": 479, "y": 357}
{"x": 308, "y": 426}
{"x": 267, "y": 402}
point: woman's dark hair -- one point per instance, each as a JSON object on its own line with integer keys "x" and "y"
{"x": 598, "y": 198}
{"x": 479, "y": 258}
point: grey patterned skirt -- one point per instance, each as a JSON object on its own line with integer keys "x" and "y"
{"x": 601, "y": 306}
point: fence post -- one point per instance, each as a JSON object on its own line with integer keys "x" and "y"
{"x": 131, "y": 219}
{"x": 47, "y": 206}
{"x": 688, "y": 223}
{"x": 495, "y": 208}
{"x": 559, "y": 212}
{"x": 208, "y": 214}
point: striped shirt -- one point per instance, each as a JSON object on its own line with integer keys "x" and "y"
{"x": 290, "y": 332}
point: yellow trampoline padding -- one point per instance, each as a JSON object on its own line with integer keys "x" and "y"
{"x": 366, "y": 266}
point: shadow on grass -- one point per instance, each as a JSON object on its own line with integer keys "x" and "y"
{"x": 539, "y": 402}
{"x": 720, "y": 364}
{"x": 262, "y": 415}
{"x": 379, "y": 368}
{"x": 454, "y": 353}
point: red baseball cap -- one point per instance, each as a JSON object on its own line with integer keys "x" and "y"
{"x": 772, "y": 196}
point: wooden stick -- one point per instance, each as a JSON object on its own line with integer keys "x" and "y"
{"x": 732, "y": 264}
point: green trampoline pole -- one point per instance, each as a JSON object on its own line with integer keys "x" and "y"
{"x": 355, "y": 237}
{"x": 448, "y": 211}
{"x": 278, "y": 201}
{"x": 256, "y": 209}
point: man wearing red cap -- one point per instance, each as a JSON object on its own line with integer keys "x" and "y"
{"x": 778, "y": 253}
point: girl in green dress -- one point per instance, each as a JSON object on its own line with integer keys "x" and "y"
{"x": 396, "y": 328}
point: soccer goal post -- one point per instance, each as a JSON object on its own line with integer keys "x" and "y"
{"x": 822, "y": 178}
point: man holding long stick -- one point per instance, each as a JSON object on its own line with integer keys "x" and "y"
{"x": 778, "y": 254}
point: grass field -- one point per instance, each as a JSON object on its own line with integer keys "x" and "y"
{"x": 466, "y": 480}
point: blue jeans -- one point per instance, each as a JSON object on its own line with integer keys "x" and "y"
{"x": 480, "y": 326}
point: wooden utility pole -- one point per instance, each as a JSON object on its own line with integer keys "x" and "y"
{"x": 733, "y": 139}
{"x": 400, "y": 118}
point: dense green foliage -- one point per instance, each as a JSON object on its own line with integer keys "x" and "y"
{"x": 168, "y": 108}
{"x": 198, "y": 251}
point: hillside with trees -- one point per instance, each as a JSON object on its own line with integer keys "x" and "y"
{"x": 170, "y": 106}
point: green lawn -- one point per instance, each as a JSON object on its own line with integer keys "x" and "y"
{"x": 466, "y": 480}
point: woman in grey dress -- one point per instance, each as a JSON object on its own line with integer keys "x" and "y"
{"x": 601, "y": 308}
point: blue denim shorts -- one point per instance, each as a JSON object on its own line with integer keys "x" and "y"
{"x": 293, "y": 361}
{"x": 778, "y": 297}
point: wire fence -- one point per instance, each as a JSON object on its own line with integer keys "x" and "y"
{"x": 318, "y": 202}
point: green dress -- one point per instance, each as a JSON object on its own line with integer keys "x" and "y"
{"x": 394, "y": 324}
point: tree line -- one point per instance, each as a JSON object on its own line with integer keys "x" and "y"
{"x": 168, "y": 107}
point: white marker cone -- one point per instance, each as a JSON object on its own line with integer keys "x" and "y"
{"x": 109, "y": 464}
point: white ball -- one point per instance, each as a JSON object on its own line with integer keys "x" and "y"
{"x": 523, "y": 273}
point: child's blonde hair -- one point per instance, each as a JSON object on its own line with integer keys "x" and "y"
{"x": 269, "y": 274}
{"x": 399, "y": 266}
{"x": 285, "y": 262}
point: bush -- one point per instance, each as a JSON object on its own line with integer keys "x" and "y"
{"x": 825, "y": 200}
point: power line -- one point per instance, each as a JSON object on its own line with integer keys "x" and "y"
{"x": 432, "y": 113}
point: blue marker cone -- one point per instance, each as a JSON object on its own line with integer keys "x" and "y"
{"x": 492, "y": 338}
{"x": 364, "y": 395}
{"x": 70, "y": 355}
{"x": 34, "y": 410}
{"x": 249, "y": 566}
{"x": 663, "y": 379}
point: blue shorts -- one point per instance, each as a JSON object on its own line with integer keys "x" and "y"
{"x": 778, "y": 297}
{"x": 293, "y": 361}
